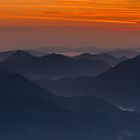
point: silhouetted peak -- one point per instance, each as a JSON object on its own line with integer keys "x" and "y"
{"x": 12, "y": 83}
{"x": 22, "y": 53}
{"x": 56, "y": 57}
{"x": 137, "y": 58}
{"x": 19, "y": 55}
{"x": 86, "y": 54}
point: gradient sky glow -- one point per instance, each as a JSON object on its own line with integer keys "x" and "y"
{"x": 22, "y": 17}
{"x": 112, "y": 11}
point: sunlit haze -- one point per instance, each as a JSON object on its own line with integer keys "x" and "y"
{"x": 72, "y": 23}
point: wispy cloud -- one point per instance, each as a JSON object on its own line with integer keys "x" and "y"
{"x": 109, "y": 11}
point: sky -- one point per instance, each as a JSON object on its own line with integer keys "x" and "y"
{"x": 69, "y": 23}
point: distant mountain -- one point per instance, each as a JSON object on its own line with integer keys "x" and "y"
{"x": 19, "y": 55}
{"x": 119, "y": 85}
{"x": 127, "y": 53}
{"x": 66, "y": 87}
{"x": 28, "y": 111}
{"x": 111, "y": 60}
{"x": 23, "y": 105}
{"x": 5, "y": 54}
{"x": 55, "y": 66}
{"x": 37, "y": 53}
{"x": 14, "y": 84}
{"x": 28, "y": 118}
{"x": 89, "y": 104}
{"x": 11, "y": 83}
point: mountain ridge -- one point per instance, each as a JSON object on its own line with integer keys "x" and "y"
{"x": 54, "y": 66}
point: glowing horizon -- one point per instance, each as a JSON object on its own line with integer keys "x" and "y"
{"x": 73, "y": 23}
{"x": 98, "y": 11}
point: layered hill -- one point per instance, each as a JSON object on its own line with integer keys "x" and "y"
{"x": 19, "y": 55}
{"x": 28, "y": 111}
{"x": 119, "y": 85}
{"x": 109, "y": 59}
{"x": 52, "y": 66}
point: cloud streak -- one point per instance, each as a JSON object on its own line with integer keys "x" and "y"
{"x": 109, "y": 11}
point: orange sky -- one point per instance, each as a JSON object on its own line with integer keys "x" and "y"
{"x": 75, "y": 23}
{"x": 83, "y": 12}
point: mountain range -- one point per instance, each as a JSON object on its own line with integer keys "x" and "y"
{"x": 129, "y": 53}
{"x": 119, "y": 85}
{"x": 109, "y": 59}
{"x": 28, "y": 111}
{"x": 23, "y": 105}
{"x": 83, "y": 97}
{"x": 18, "y": 55}
{"x": 52, "y": 66}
